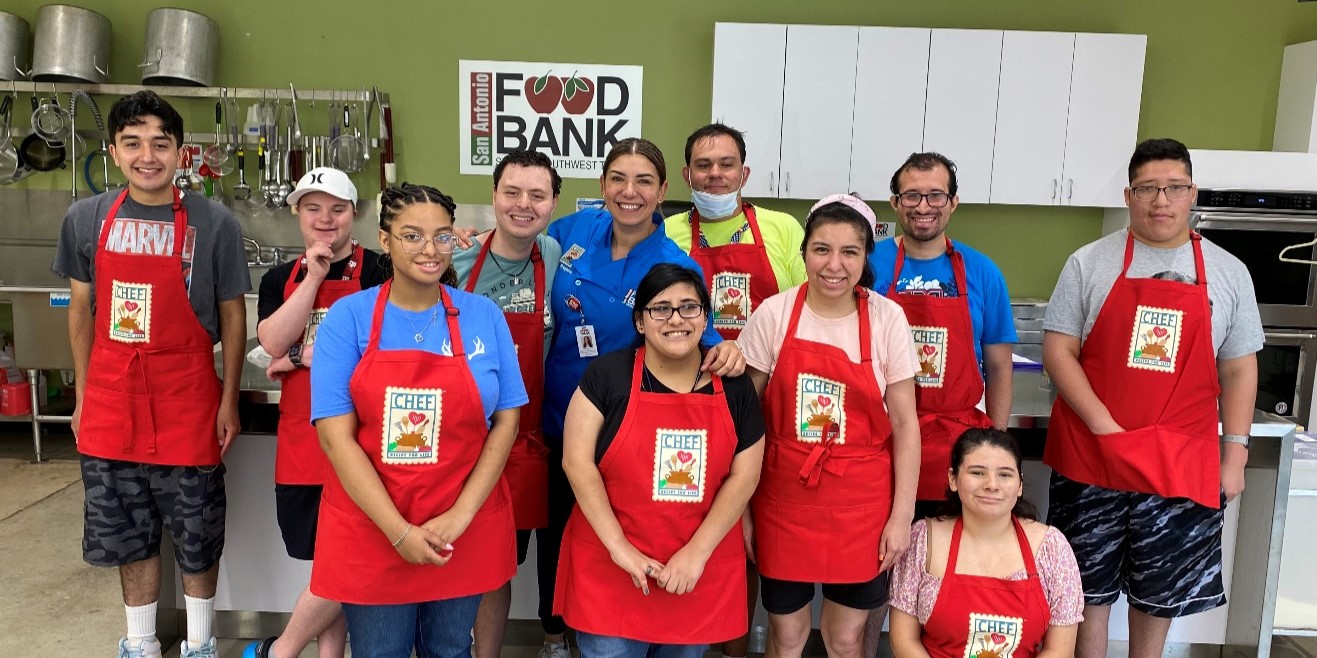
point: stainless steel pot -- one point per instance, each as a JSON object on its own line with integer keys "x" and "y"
{"x": 15, "y": 47}
{"x": 72, "y": 44}
{"x": 181, "y": 48}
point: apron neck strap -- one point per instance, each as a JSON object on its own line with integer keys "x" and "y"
{"x": 1020, "y": 537}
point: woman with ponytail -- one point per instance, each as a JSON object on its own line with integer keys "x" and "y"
{"x": 415, "y": 393}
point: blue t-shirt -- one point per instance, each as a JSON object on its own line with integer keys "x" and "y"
{"x": 604, "y": 292}
{"x": 989, "y": 303}
{"x": 345, "y": 332}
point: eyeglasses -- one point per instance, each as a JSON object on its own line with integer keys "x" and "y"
{"x": 663, "y": 313}
{"x": 414, "y": 243}
{"x": 935, "y": 199}
{"x": 1149, "y": 192}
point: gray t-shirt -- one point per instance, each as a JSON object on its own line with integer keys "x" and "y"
{"x": 1092, "y": 270}
{"x": 214, "y": 262}
{"x": 496, "y": 277}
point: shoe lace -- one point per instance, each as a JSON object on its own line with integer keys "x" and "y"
{"x": 126, "y": 651}
{"x": 205, "y": 650}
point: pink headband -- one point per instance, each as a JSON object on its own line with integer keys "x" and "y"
{"x": 856, "y": 203}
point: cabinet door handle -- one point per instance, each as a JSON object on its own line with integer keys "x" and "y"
{"x": 1053, "y": 189}
{"x": 770, "y": 182}
{"x": 1071, "y": 192}
{"x": 788, "y": 182}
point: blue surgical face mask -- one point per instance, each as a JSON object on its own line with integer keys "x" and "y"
{"x": 715, "y": 206}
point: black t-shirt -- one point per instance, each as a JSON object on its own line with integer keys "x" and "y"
{"x": 373, "y": 273}
{"x": 607, "y": 384}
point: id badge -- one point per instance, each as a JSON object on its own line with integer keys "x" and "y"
{"x": 586, "y": 345}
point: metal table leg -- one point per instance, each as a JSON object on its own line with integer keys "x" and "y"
{"x": 34, "y": 379}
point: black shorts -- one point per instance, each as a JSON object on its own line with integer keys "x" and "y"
{"x": 783, "y": 597}
{"x": 128, "y": 505}
{"x": 523, "y": 545}
{"x": 1163, "y": 553}
{"x": 297, "y": 506}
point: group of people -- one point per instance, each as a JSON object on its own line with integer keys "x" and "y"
{"x": 693, "y": 413}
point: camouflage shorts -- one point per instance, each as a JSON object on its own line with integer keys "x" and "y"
{"x": 1163, "y": 553}
{"x": 128, "y": 505}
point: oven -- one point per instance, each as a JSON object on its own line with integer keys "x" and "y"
{"x": 1256, "y": 227}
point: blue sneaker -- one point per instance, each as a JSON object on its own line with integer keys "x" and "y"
{"x": 205, "y": 650}
{"x": 259, "y": 648}
{"x": 150, "y": 648}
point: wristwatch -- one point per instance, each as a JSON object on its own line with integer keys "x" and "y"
{"x": 295, "y": 356}
{"x": 1241, "y": 439}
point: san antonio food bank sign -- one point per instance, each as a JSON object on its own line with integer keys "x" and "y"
{"x": 574, "y": 113}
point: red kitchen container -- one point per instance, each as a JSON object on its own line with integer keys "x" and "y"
{"x": 15, "y": 399}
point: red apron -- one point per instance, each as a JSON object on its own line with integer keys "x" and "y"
{"x": 739, "y": 276}
{"x": 949, "y": 384}
{"x": 826, "y": 488}
{"x": 662, "y": 473}
{"x": 298, "y": 458}
{"x": 985, "y": 617}
{"x": 421, "y": 423}
{"x": 1149, "y": 359}
{"x": 152, "y": 394}
{"x": 527, "y": 470}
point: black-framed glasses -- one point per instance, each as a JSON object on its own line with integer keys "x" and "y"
{"x": 663, "y": 312}
{"x": 935, "y": 199}
{"x": 414, "y": 243}
{"x": 1174, "y": 192}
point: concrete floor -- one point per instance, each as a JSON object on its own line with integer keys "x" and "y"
{"x": 52, "y": 604}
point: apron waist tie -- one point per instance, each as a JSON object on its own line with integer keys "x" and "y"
{"x": 967, "y": 417}
{"x": 812, "y": 470}
{"x": 138, "y": 360}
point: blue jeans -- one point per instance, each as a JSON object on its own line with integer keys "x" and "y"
{"x": 436, "y": 629}
{"x": 604, "y": 646}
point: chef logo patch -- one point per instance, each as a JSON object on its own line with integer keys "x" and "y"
{"x": 313, "y": 325}
{"x": 731, "y": 300}
{"x": 931, "y": 348}
{"x": 411, "y": 425}
{"x": 819, "y": 409}
{"x": 1156, "y": 338}
{"x": 130, "y": 312}
{"x": 570, "y": 256}
{"x": 991, "y": 636}
{"x": 679, "y": 465}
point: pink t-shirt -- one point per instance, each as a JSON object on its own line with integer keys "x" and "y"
{"x": 914, "y": 590}
{"x": 893, "y": 351}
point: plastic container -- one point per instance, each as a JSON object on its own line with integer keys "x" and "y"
{"x": 15, "y": 399}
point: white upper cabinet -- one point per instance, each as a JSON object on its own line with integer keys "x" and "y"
{"x": 1105, "y": 92}
{"x": 1032, "y": 107}
{"x": 961, "y": 116}
{"x": 749, "y": 67}
{"x": 817, "y": 109}
{"x": 890, "y": 77}
{"x": 1032, "y": 118}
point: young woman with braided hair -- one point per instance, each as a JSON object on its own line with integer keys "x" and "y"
{"x": 415, "y": 396}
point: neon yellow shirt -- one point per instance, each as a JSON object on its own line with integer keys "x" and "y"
{"x": 782, "y": 238}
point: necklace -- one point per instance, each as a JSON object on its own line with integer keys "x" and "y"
{"x": 648, "y": 384}
{"x": 516, "y": 278}
{"x": 420, "y": 335}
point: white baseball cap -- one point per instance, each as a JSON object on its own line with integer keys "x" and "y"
{"x": 328, "y": 180}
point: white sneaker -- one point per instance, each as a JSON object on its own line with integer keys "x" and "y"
{"x": 555, "y": 650}
{"x": 205, "y": 650}
{"x": 150, "y": 648}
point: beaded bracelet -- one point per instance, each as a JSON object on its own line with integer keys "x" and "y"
{"x": 402, "y": 536}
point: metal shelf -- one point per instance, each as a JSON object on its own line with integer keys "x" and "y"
{"x": 241, "y": 93}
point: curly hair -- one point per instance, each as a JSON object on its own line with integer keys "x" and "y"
{"x": 395, "y": 199}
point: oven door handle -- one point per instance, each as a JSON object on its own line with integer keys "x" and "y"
{"x": 1285, "y": 335}
{"x": 1199, "y": 218}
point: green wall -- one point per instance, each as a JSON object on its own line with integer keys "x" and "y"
{"x": 1211, "y": 79}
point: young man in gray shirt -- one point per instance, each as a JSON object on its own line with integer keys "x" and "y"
{"x": 1150, "y": 331}
{"x": 156, "y": 280}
